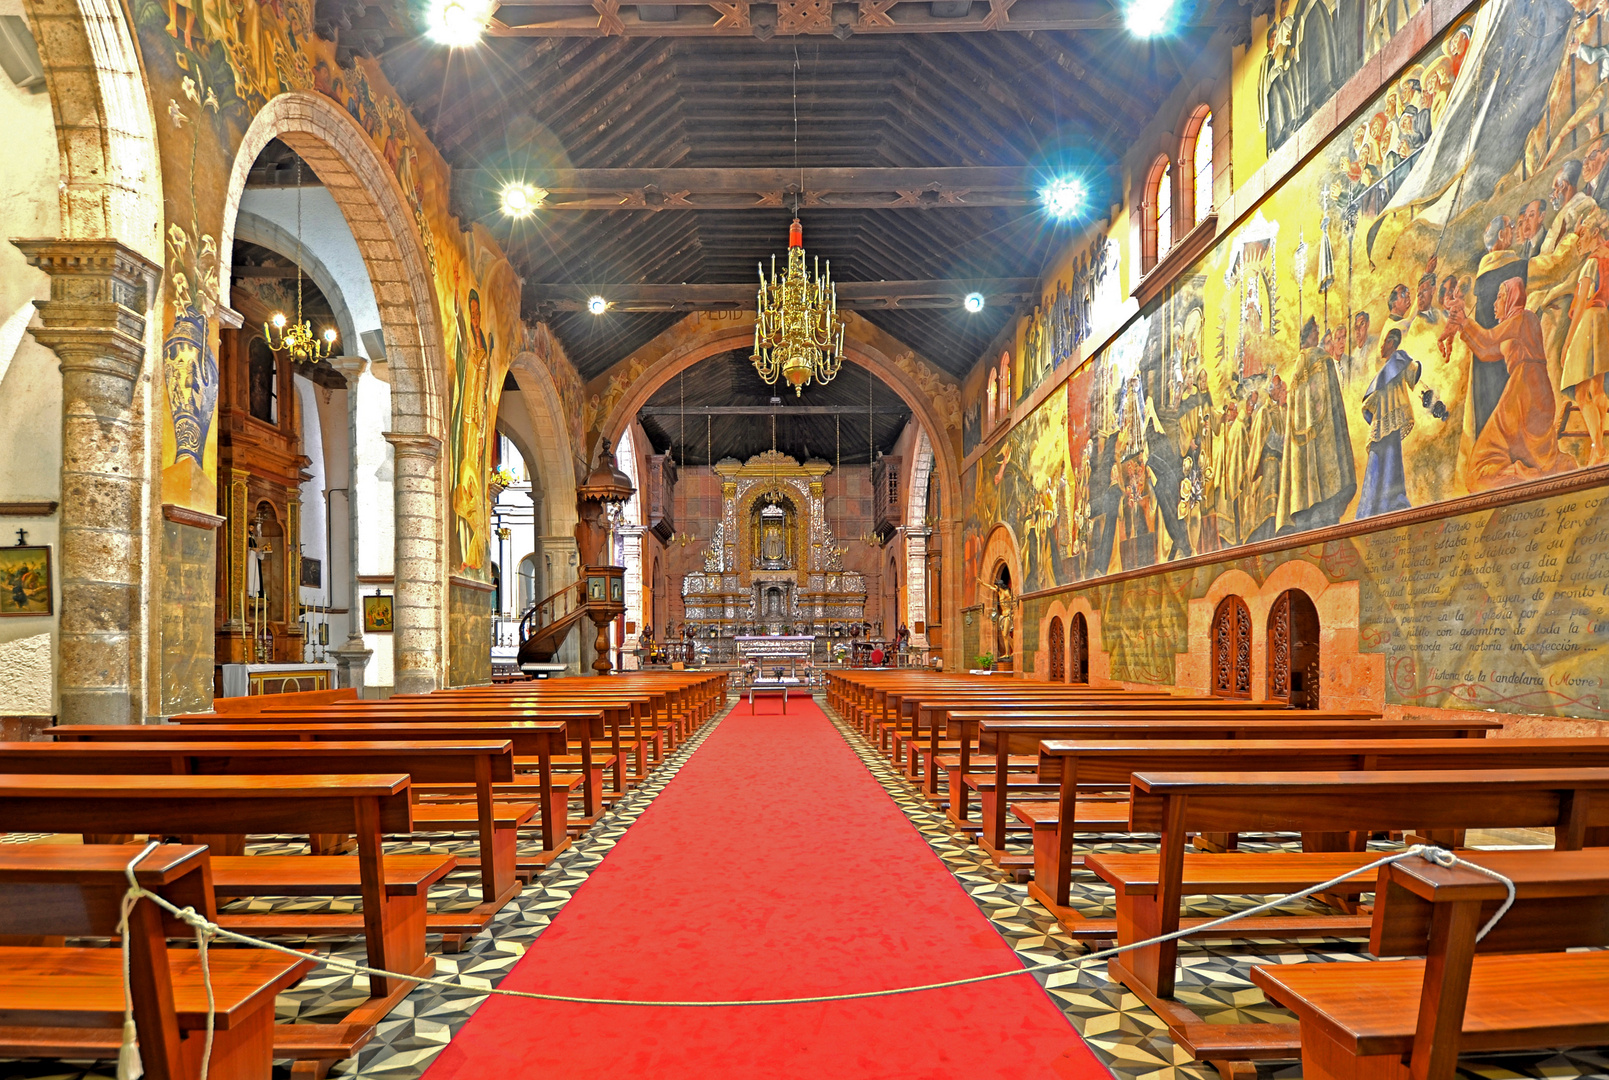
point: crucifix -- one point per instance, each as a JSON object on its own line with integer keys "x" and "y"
{"x": 22, "y": 537}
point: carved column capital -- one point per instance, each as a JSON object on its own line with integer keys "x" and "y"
{"x": 350, "y": 367}
{"x": 414, "y": 444}
{"x": 100, "y": 294}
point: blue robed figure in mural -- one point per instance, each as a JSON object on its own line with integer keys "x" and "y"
{"x": 1388, "y": 410}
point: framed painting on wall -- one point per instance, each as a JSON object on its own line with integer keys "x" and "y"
{"x": 25, "y": 585}
{"x": 377, "y": 615}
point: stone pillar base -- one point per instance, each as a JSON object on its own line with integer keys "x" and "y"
{"x": 351, "y": 661}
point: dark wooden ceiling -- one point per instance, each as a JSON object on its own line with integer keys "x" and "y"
{"x": 1057, "y": 101}
{"x": 730, "y": 380}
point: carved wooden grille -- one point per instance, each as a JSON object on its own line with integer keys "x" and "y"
{"x": 1058, "y": 651}
{"x": 1279, "y": 648}
{"x": 1079, "y": 669}
{"x": 1231, "y": 649}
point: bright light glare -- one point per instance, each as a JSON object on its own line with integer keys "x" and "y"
{"x": 520, "y": 200}
{"x": 973, "y": 302}
{"x": 278, "y": 320}
{"x": 1148, "y": 18}
{"x": 329, "y": 336}
{"x": 457, "y": 23}
{"x": 597, "y": 305}
{"x": 1064, "y": 197}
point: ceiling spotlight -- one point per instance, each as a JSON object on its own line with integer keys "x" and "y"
{"x": 973, "y": 302}
{"x": 1064, "y": 197}
{"x": 597, "y": 305}
{"x": 1148, "y": 18}
{"x": 457, "y": 23}
{"x": 520, "y": 200}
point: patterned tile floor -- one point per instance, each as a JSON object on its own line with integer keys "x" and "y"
{"x": 1127, "y": 1037}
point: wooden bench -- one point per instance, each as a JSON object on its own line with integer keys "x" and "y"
{"x": 255, "y": 703}
{"x": 1411, "y": 1019}
{"x": 1574, "y": 802}
{"x": 367, "y": 806}
{"x": 476, "y": 764}
{"x": 1078, "y": 766}
{"x": 58, "y": 1002}
{"x": 535, "y": 739}
{"x": 1027, "y": 730}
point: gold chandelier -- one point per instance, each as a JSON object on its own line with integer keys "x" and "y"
{"x": 297, "y": 338}
{"x": 797, "y": 333}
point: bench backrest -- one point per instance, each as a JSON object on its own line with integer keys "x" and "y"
{"x": 426, "y": 762}
{"x": 258, "y": 702}
{"x": 76, "y": 890}
{"x": 528, "y": 737}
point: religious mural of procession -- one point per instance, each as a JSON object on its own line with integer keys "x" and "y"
{"x": 1420, "y": 313}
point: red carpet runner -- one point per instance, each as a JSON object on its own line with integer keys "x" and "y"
{"x": 772, "y": 865}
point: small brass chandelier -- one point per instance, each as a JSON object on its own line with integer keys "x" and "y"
{"x": 797, "y": 333}
{"x": 297, "y": 338}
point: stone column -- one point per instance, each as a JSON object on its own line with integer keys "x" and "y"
{"x": 100, "y": 296}
{"x": 916, "y": 583}
{"x": 352, "y": 656}
{"x": 419, "y": 603}
{"x": 561, "y": 565}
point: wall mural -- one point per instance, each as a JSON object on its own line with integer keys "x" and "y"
{"x": 211, "y": 68}
{"x": 1381, "y": 333}
{"x": 1311, "y": 49}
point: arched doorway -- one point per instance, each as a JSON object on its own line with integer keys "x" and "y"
{"x": 1293, "y": 650}
{"x": 1078, "y": 660}
{"x": 1057, "y": 644}
{"x": 1231, "y": 649}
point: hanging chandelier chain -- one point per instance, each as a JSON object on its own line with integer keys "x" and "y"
{"x": 297, "y": 339}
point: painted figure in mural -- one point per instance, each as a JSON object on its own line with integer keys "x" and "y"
{"x": 1489, "y": 374}
{"x": 1317, "y": 476}
{"x": 1222, "y": 476}
{"x": 1266, "y": 446}
{"x": 1362, "y": 345}
{"x": 470, "y": 433}
{"x": 1033, "y": 347}
{"x": 1519, "y": 441}
{"x": 1570, "y": 201}
{"x": 1388, "y": 410}
{"x": 1586, "y": 347}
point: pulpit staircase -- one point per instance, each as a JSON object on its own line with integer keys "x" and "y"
{"x": 548, "y": 623}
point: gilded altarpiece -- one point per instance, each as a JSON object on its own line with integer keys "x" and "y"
{"x": 773, "y": 565}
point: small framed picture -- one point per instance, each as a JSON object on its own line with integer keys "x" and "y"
{"x": 25, "y": 581}
{"x": 595, "y": 588}
{"x": 377, "y": 617}
{"x": 617, "y": 590}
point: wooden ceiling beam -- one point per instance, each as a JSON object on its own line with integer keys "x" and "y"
{"x": 772, "y": 189}
{"x": 733, "y": 18}
{"x": 852, "y": 295}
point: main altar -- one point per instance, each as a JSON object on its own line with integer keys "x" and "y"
{"x": 773, "y": 566}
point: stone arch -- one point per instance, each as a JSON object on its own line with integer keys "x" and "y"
{"x": 727, "y": 336}
{"x": 552, "y": 455}
{"x": 265, "y": 233}
{"x": 999, "y": 550}
{"x": 340, "y": 154}
{"x": 111, "y": 173}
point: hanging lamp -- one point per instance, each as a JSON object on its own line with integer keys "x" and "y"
{"x": 297, "y": 339}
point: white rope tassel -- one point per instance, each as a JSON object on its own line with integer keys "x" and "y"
{"x": 1436, "y": 855}
{"x": 129, "y": 1066}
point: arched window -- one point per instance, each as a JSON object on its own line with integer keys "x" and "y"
{"x": 1157, "y": 218}
{"x": 1293, "y": 651}
{"x": 1195, "y": 167}
{"x": 1005, "y": 385}
{"x": 1078, "y": 668}
{"x": 994, "y": 402}
{"x": 1057, "y": 644}
{"x": 1231, "y": 649}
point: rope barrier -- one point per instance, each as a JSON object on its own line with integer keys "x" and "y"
{"x": 207, "y": 930}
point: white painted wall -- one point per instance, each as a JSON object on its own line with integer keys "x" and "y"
{"x": 30, "y": 381}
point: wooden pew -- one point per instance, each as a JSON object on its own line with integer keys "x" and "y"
{"x": 1018, "y": 734}
{"x": 365, "y": 805}
{"x": 587, "y": 723}
{"x": 534, "y": 739}
{"x": 1574, "y": 802}
{"x": 1079, "y": 766}
{"x": 1409, "y": 1020}
{"x": 477, "y": 764}
{"x": 235, "y": 706}
{"x": 58, "y": 1002}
